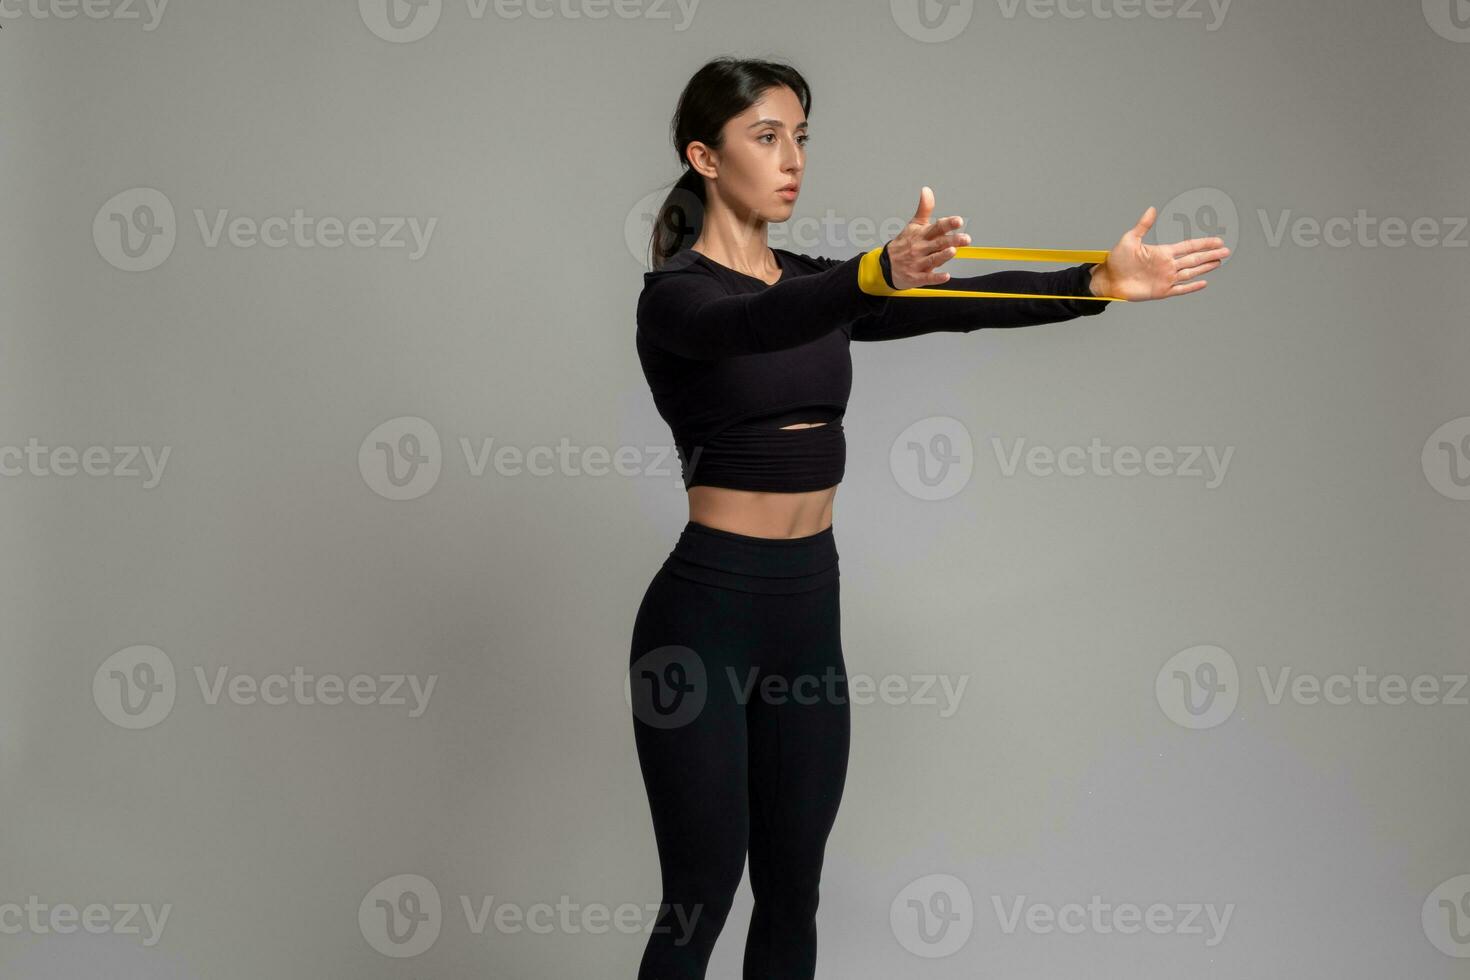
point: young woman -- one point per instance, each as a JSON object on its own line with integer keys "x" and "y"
{"x": 737, "y": 678}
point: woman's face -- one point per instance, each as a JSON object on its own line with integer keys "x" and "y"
{"x": 764, "y": 152}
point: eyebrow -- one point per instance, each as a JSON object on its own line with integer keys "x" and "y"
{"x": 775, "y": 122}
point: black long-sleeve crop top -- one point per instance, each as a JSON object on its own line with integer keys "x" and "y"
{"x": 731, "y": 358}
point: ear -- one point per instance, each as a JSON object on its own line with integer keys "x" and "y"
{"x": 703, "y": 159}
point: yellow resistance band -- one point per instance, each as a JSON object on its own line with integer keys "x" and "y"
{"x": 871, "y": 281}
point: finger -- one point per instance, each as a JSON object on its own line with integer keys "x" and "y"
{"x": 926, "y": 206}
{"x": 1193, "y": 271}
{"x": 1200, "y": 258}
{"x": 944, "y": 226}
{"x": 1180, "y": 288}
{"x": 938, "y": 243}
{"x": 1194, "y": 245}
{"x": 1145, "y": 223}
{"x": 928, "y": 262}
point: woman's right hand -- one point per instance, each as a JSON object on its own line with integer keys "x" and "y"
{"x": 923, "y": 245}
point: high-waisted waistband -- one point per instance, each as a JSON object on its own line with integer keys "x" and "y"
{"x": 751, "y": 564}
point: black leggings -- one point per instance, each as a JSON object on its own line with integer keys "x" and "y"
{"x": 740, "y": 714}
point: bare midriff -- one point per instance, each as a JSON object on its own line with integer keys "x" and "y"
{"x": 762, "y": 514}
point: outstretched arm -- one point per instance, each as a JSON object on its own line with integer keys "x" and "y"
{"x": 910, "y": 316}
{"x": 1134, "y": 271}
{"x": 690, "y": 315}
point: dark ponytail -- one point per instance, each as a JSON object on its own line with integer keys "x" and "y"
{"x": 722, "y": 89}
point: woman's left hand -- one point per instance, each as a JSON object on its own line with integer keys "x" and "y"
{"x": 1137, "y": 271}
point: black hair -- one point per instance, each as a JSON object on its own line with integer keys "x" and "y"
{"x": 722, "y": 89}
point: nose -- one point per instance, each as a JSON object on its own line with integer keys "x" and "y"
{"x": 791, "y": 158}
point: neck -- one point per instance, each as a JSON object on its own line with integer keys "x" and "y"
{"x": 734, "y": 242}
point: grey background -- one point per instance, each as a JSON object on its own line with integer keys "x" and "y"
{"x": 265, "y": 548}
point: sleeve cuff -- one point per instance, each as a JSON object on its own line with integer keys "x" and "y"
{"x": 1083, "y": 278}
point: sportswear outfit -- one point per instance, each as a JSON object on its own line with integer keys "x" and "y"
{"x": 736, "y": 672}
